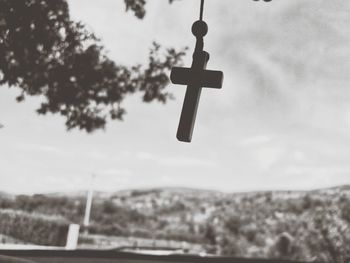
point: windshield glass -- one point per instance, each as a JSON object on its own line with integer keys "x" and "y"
{"x": 92, "y": 146}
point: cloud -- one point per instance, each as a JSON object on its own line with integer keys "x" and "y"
{"x": 185, "y": 161}
{"x": 179, "y": 161}
{"x": 41, "y": 148}
{"x": 116, "y": 172}
{"x": 295, "y": 53}
{"x": 256, "y": 140}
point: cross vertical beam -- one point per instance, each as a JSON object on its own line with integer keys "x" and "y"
{"x": 193, "y": 93}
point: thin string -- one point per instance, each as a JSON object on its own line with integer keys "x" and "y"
{"x": 201, "y": 12}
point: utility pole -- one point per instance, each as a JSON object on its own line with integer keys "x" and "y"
{"x": 89, "y": 202}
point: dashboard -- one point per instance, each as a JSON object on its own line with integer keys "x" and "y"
{"x": 110, "y": 256}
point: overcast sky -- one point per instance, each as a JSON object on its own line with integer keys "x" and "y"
{"x": 281, "y": 121}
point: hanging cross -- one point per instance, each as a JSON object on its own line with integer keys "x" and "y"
{"x": 196, "y": 78}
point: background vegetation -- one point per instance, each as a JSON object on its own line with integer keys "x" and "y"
{"x": 34, "y": 228}
{"x": 290, "y": 225}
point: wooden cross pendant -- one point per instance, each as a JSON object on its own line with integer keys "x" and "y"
{"x": 196, "y": 78}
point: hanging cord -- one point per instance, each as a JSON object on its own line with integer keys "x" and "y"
{"x": 200, "y": 29}
{"x": 201, "y": 12}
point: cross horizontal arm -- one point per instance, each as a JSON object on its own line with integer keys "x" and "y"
{"x": 180, "y": 76}
{"x": 206, "y": 78}
{"x": 212, "y": 79}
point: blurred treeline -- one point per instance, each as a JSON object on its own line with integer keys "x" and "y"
{"x": 303, "y": 226}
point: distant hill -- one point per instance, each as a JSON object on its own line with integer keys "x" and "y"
{"x": 185, "y": 191}
{"x": 340, "y": 188}
{"x": 6, "y": 195}
{"x": 142, "y": 191}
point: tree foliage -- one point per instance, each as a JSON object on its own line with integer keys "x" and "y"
{"x": 138, "y": 7}
{"x": 45, "y": 53}
{"x": 333, "y": 235}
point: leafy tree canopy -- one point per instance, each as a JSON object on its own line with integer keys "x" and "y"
{"x": 44, "y": 52}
